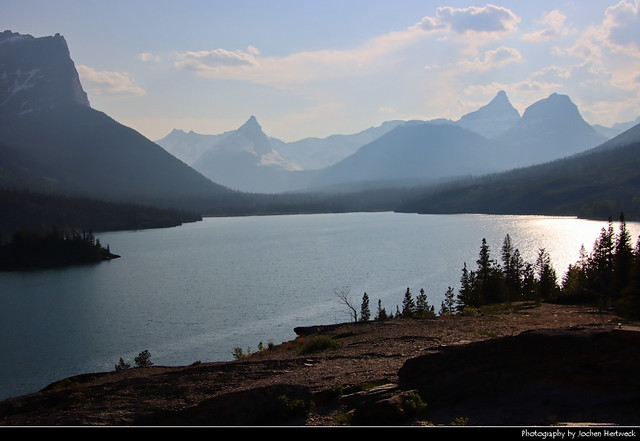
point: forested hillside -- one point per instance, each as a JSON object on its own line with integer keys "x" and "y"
{"x": 22, "y": 209}
{"x": 597, "y": 185}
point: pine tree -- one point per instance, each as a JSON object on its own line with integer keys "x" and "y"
{"x": 382, "y": 313}
{"x": 490, "y": 287}
{"x": 547, "y": 284}
{"x": 365, "y": 313}
{"x": 601, "y": 264}
{"x": 448, "y": 304}
{"x": 513, "y": 266}
{"x": 408, "y": 305}
{"x": 422, "y": 306}
{"x": 623, "y": 258}
{"x": 465, "y": 294}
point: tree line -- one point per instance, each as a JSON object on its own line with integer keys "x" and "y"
{"x": 608, "y": 277}
{"x": 29, "y": 249}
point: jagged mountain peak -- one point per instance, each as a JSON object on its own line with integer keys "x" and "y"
{"x": 492, "y": 119}
{"x": 501, "y": 100}
{"x": 251, "y": 126}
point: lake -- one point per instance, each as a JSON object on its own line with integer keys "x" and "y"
{"x": 197, "y": 291}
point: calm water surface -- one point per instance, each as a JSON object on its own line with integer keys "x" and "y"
{"x": 197, "y": 291}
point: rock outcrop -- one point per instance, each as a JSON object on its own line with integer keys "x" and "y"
{"x": 535, "y": 378}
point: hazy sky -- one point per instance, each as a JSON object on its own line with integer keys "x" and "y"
{"x": 316, "y": 68}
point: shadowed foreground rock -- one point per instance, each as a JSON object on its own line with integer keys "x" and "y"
{"x": 535, "y": 378}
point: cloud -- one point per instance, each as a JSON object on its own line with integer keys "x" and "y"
{"x": 474, "y": 24}
{"x": 147, "y": 56}
{"x": 108, "y": 83}
{"x": 214, "y": 60}
{"x": 493, "y": 59}
{"x": 609, "y": 53}
{"x": 488, "y": 19}
{"x": 622, "y": 27}
{"x": 554, "y": 28}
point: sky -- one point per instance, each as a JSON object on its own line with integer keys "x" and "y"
{"x": 315, "y": 68}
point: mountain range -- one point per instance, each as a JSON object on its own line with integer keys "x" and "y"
{"x": 493, "y": 138}
{"x": 52, "y": 141}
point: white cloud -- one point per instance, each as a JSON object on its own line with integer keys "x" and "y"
{"x": 108, "y": 83}
{"x": 489, "y": 19}
{"x": 622, "y": 27}
{"x": 147, "y": 56}
{"x": 214, "y": 60}
{"x": 474, "y": 25}
{"x": 493, "y": 59}
{"x": 554, "y": 27}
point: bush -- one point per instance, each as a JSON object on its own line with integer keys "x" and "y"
{"x": 414, "y": 407}
{"x": 143, "y": 359}
{"x": 289, "y": 408}
{"x": 122, "y": 365}
{"x": 318, "y": 344}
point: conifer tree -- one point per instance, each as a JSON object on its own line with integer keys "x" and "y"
{"x": 465, "y": 294}
{"x": 365, "y": 313}
{"x": 381, "y": 313}
{"x": 448, "y": 304}
{"x": 623, "y": 258}
{"x": 408, "y": 305}
{"x": 422, "y": 306}
{"x": 601, "y": 264}
{"x": 547, "y": 284}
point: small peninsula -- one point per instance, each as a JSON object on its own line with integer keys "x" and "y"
{"x": 30, "y": 249}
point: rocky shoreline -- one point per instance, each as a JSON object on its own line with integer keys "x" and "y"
{"x": 520, "y": 364}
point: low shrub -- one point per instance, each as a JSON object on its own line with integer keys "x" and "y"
{"x": 317, "y": 344}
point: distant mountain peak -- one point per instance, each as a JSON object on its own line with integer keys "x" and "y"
{"x": 501, "y": 98}
{"x": 493, "y": 118}
{"x": 252, "y": 124}
{"x": 556, "y": 107}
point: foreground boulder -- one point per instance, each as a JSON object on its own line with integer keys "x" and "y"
{"x": 537, "y": 377}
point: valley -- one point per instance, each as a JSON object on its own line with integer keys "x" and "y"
{"x": 54, "y": 143}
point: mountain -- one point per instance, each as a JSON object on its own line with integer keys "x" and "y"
{"x": 245, "y": 160}
{"x": 493, "y": 119}
{"x": 415, "y": 152}
{"x": 599, "y": 183}
{"x": 188, "y": 146}
{"x": 629, "y": 136}
{"x": 37, "y": 74}
{"x": 615, "y": 129}
{"x": 549, "y": 129}
{"x": 271, "y": 165}
{"x": 318, "y": 153}
{"x": 53, "y": 141}
{"x": 492, "y": 139}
